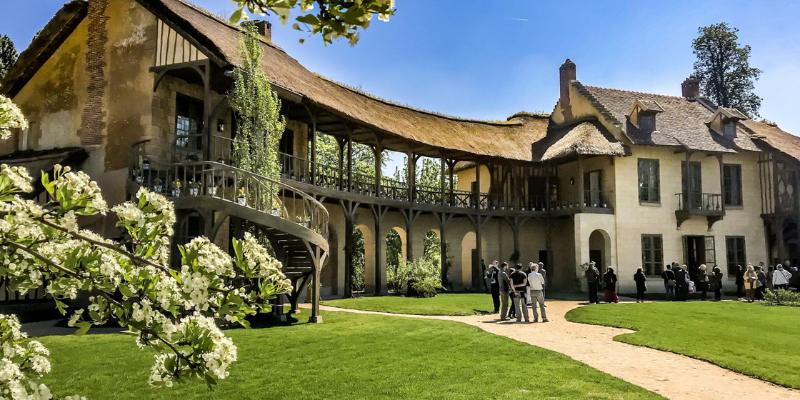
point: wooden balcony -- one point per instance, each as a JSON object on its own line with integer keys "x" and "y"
{"x": 708, "y": 205}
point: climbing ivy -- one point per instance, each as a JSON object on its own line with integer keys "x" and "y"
{"x": 257, "y": 107}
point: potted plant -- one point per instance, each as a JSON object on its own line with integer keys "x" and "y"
{"x": 194, "y": 188}
{"x": 211, "y": 188}
{"x": 242, "y": 196}
{"x": 176, "y": 188}
{"x": 158, "y": 185}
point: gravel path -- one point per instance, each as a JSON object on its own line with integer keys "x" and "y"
{"x": 670, "y": 375}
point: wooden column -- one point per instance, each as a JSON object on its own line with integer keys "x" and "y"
{"x": 443, "y": 218}
{"x": 312, "y": 140}
{"x": 580, "y": 182}
{"x": 378, "y": 212}
{"x": 349, "y": 163}
{"x": 207, "y": 110}
{"x": 442, "y": 161}
{"x": 349, "y": 208}
{"x": 451, "y": 165}
{"x": 477, "y": 193}
{"x": 378, "y": 151}
{"x": 340, "y": 178}
{"x": 411, "y": 179}
{"x": 721, "y": 181}
{"x": 409, "y": 216}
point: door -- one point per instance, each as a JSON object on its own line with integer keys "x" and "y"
{"x": 597, "y": 257}
{"x": 286, "y": 150}
{"x": 698, "y": 250}
{"x": 692, "y": 185}
{"x": 592, "y": 184}
{"x": 188, "y": 123}
{"x": 537, "y": 192}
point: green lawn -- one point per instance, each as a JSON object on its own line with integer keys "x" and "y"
{"x": 347, "y": 357}
{"x": 442, "y": 304}
{"x": 752, "y": 339}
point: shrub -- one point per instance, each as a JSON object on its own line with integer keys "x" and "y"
{"x": 782, "y": 297}
{"x": 418, "y": 278}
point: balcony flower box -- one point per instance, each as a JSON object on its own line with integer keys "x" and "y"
{"x": 211, "y": 190}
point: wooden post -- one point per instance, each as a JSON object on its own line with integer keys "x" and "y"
{"x": 207, "y": 110}
{"x": 378, "y": 212}
{"x": 451, "y": 165}
{"x": 378, "y": 150}
{"x": 477, "y": 193}
{"x": 721, "y": 181}
{"x": 340, "y": 183}
{"x": 442, "y": 162}
{"x": 581, "y": 199}
{"x": 349, "y": 163}
{"x": 411, "y": 179}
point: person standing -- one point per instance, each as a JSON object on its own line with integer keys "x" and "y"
{"x": 681, "y": 282}
{"x": 762, "y": 282}
{"x": 750, "y": 282}
{"x": 544, "y": 274}
{"x": 781, "y": 277}
{"x": 536, "y": 284}
{"x": 669, "y": 282}
{"x": 739, "y": 282}
{"x": 716, "y": 283}
{"x": 512, "y": 306}
{"x": 520, "y": 281}
{"x": 770, "y": 277}
{"x": 610, "y": 285}
{"x": 593, "y": 282}
{"x": 641, "y": 285}
{"x": 504, "y": 285}
{"x": 702, "y": 281}
{"x": 493, "y": 281}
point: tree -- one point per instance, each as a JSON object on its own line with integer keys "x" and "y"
{"x": 723, "y": 67}
{"x": 8, "y": 55}
{"x": 173, "y": 312}
{"x": 257, "y": 107}
{"x": 331, "y": 19}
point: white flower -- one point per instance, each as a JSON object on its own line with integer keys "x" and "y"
{"x": 75, "y": 317}
{"x": 10, "y": 118}
{"x": 18, "y": 176}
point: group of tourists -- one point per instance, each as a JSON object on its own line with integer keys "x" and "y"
{"x": 522, "y": 286}
{"x": 752, "y": 281}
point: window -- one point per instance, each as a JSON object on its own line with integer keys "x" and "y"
{"x": 652, "y": 255}
{"x": 647, "y": 123}
{"x": 732, "y": 184}
{"x": 649, "y": 185}
{"x": 729, "y": 130}
{"x": 735, "y": 248}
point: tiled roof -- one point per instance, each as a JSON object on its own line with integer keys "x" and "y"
{"x": 774, "y": 137}
{"x": 682, "y": 123}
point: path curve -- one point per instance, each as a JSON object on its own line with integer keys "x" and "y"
{"x": 671, "y": 375}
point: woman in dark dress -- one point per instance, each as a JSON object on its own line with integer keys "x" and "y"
{"x": 739, "y": 281}
{"x": 641, "y": 285}
{"x": 610, "y": 283}
{"x": 716, "y": 283}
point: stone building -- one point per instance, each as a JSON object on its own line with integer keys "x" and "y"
{"x": 134, "y": 93}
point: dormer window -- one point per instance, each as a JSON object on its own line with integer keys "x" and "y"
{"x": 643, "y": 115}
{"x": 729, "y": 129}
{"x": 647, "y": 122}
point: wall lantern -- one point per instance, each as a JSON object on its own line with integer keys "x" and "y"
{"x": 220, "y": 125}
{"x": 571, "y": 181}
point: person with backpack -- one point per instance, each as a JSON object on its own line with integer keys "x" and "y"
{"x": 641, "y": 285}
{"x": 780, "y": 278}
{"x": 520, "y": 281}
{"x": 493, "y": 282}
{"x": 681, "y": 282}
{"x": 669, "y": 282}
{"x": 610, "y": 285}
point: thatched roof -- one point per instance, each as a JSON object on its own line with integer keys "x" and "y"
{"x": 44, "y": 44}
{"x": 770, "y": 135}
{"x": 506, "y": 139}
{"x": 682, "y": 122}
{"x": 583, "y": 139}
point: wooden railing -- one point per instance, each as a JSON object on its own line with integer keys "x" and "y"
{"x": 330, "y": 176}
{"x": 222, "y": 181}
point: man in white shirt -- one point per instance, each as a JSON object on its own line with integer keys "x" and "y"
{"x": 536, "y": 285}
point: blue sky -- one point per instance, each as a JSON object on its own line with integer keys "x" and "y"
{"x": 489, "y": 59}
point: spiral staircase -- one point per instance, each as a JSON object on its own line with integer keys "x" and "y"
{"x": 295, "y": 223}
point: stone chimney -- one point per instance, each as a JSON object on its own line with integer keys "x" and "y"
{"x": 567, "y": 74}
{"x": 690, "y": 88}
{"x": 264, "y": 28}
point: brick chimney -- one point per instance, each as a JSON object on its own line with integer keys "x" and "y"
{"x": 690, "y": 88}
{"x": 567, "y": 73}
{"x": 264, "y": 28}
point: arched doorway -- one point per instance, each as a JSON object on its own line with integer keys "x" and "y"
{"x": 395, "y": 254}
{"x": 468, "y": 255}
{"x": 600, "y": 249}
